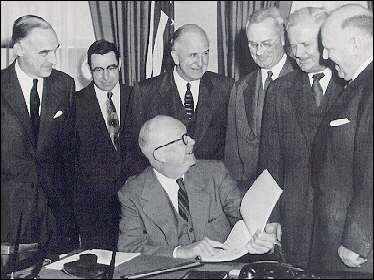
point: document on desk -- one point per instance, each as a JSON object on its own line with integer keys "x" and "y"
{"x": 103, "y": 257}
{"x": 256, "y": 207}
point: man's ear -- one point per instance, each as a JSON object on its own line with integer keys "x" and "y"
{"x": 175, "y": 57}
{"x": 18, "y": 49}
{"x": 161, "y": 155}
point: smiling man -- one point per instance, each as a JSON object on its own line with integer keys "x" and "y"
{"x": 179, "y": 205}
{"x": 101, "y": 155}
{"x": 37, "y": 118}
{"x": 294, "y": 108}
{"x": 190, "y": 93}
{"x": 265, "y": 34}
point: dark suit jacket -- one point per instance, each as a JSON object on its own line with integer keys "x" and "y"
{"x": 30, "y": 172}
{"x": 343, "y": 177}
{"x": 101, "y": 169}
{"x": 242, "y": 139}
{"x": 148, "y": 224}
{"x": 159, "y": 95}
{"x": 288, "y": 128}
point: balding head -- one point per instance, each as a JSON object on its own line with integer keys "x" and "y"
{"x": 347, "y": 38}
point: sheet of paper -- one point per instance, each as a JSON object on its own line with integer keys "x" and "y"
{"x": 259, "y": 201}
{"x": 103, "y": 257}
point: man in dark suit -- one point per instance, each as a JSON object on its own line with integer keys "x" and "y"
{"x": 37, "y": 112}
{"x": 101, "y": 151}
{"x": 197, "y": 97}
{"x": 294, "y": 107}
{"x": 343, "y": 149}
{"x": 265, "y": 35}
{"x": 179, "y": 206}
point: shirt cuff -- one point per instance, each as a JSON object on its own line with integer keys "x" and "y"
{"x": 175, "y": 250}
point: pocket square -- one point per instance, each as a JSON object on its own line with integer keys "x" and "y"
{"x": 59, "y": 113}
{"x": 339, "y": 122}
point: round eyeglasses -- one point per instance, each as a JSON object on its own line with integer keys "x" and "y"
{"x": 184, "y": 138}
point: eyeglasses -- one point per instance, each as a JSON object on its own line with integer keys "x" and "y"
{"x": 184, "y": 138}
{"x": 264, "y": 45}
{"x": 100, "y": 70}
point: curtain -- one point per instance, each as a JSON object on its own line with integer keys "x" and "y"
{"x": 126, "y": 23}
{"x": 234, "y": 59}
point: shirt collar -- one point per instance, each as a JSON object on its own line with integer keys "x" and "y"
{"x": 22, "y": 76}
{"x": 362, "y": 67}
{"x": 181, "y": 83}
{"x": 276, "y": 69}
{"x": 115, "y": 91}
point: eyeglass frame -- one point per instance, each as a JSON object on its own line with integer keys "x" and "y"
{"x": 184, "y": 138}
{"x": 100, "y": 70}
{"x": 265, "y": 45}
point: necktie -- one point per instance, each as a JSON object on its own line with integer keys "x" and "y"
{"x": 112, "y": 120}
{"x": 317, "y": 88}
{"x": 268, "y": 80}
{"x": 34, "y": 109}
{"x": 183, "y": 207}
{"x": 188, "y": 102}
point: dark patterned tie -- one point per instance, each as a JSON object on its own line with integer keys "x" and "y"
{"x": 317, "y": 88}
{"x": 188, "y": 102}
{"x": 112, "y": 120}
{"x": 268, "y": 80}
{"x": 34, "y": 109}
{"x": 183, "y": 207}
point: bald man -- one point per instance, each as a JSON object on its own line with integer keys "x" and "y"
{"x": 343, "y": 148}
{"x": 197, "y": 97}
{"x": 154, "y": 219}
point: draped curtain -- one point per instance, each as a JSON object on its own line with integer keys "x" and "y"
{"x": 126, "y": 23}
{"x": 234, "y": 59}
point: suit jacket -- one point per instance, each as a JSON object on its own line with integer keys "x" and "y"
{"x": 148, "y": 224}
{"x": 159, "y": 95}
{"x": 101, "y": 169}
{"x": 343, "y": 177}
{"x": 242, "y": 139}
{"x": 33, "y": 172}
{"x": 289, "y": 123}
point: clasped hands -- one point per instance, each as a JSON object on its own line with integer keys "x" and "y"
{"x": 260, "y": 243}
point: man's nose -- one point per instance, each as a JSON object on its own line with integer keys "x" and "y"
{"x": 106, "y": 74}
{"x": 52, "y": 58}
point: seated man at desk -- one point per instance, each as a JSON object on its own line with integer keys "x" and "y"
{"x": 180, "y": 206}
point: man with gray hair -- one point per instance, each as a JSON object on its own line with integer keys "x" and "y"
{"x": 180, "y": 206}
{"x": 190, "y": 93}
{"x": 294, "y": 108}
{"x": 343, "y": 148}
{"x": 265, "y": 33}
{"x": 37, "y": 118}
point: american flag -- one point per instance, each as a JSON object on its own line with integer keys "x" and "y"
{"x": 160, "y": 30}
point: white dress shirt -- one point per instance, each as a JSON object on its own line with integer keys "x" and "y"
{"x": 102, "y": 97}
{"x": 182, "y": 88}
{"x": 324, "y": 81}
{"x": 276, "y": 69}
{"x": 26, "y": 83}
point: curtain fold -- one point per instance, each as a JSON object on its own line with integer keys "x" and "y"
{"x": 126, "y": 23}
{"x": 234, "y": 59}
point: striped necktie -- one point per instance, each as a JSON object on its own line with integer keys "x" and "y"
{"x": 317, "y": 88}
{"x": 188, "y": 102}
{"x": 183, "y": 207}
{"x": 112, "y": 120}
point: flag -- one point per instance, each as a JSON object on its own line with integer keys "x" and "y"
{"x": 160, "y": 30}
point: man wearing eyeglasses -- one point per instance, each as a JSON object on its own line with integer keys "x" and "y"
{"x": 266, "y": 42}
{"x": 179, "y": 205}
{"x": 101, "y": 162}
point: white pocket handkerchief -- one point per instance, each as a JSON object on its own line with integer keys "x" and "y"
{"x": 59, "y": 113}
{"x": 339, "y": 122}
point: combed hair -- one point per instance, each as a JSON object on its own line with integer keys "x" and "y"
{"x": 263, "y": 14}
{"x": 361, "y": 22}
{"x": 23, "y": 26}
{"x": 318, "y": 14}
{"x": 101, "y": 47}
{"x": 178, "y": 33}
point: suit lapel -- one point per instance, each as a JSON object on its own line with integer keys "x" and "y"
{"x": 15, "y": 98}
{"x": 197, "y": 197}
{"x": 249, "y": 98}
{"x": 169, "y": 97}
{"x": 204, "y": 109}
{"x": 154, "y": 201}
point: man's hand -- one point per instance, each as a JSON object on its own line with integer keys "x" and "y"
{"x": 205, "y": 247}
{"x": 263, "y": 242}
{"x": 350, "y": 258}
{"x": 274, "y": 227}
